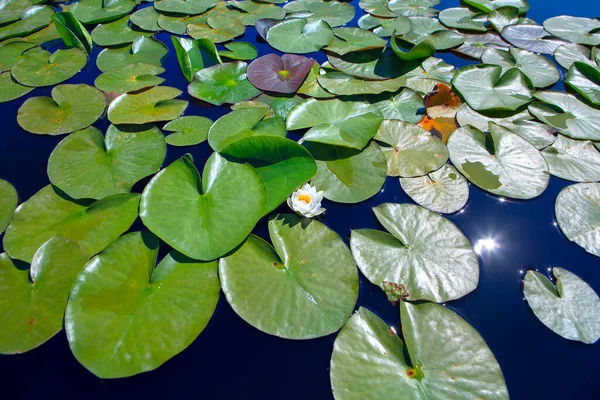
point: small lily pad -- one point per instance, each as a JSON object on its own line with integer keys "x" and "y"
{"x": 239, "y": 51}
{"x": 155, "y": 104}
{"x": 39, "y": 67}
{"x": 573, "y": 160}
{"x": 130, "y": 78}
{"x": 300, "y": 35}
{"x": 223, "y": 83}
{"x": 9, "y": 199}
{"x": 143, "y": 49}
{"x": 187, "y": 131}
{"x": 282, "y": 74}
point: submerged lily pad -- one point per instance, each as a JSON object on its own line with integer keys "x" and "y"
{"x": 100, "y": 11}
{"x": 120, "y": 298}
{"x": 155, "y": 104}
{"x": 333, "y": 12}
{"x": 282, "y": 74}
{"x": 571, "y": 308}
{"x": 33, "y": 300}
{"x": 9, "y": 200}
{"x": 71, "y": 107}
{"x": 47, "y": 214}
{"x": 540, "y": 70}
{"x": 573, "y": 160}
{"x": 223, "y": 83}
{"x": 121, "y": 31}
{"x": 87, "y": 165}
{"x": 176, "y": 206}
{"x": 187, "y": 131}
{"x": 299, "y": 36}
{"x": 574, "y": 29}
{"x": 130, "y": 78}
{"x": 31, "y": 20}
{"x": 424, "y": 253}
{"x": 143, "y": 49}
{"x": 578, "y": 215}
{"x": 258, "y": 279}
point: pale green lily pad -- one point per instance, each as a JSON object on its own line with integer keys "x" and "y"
{"x": 404, "y": 106}
{"x": 130, "y": 78}
{"x": 258, "y": 279}
{"x": 121, "y": 31}
{"x": 373, "y": 64}
{"x": 335, "y": 122}
{"x": 217, "y": 29}
{"x": 464, "y": 19}
{"x": 186, "y": 7}
{"x": 32, "y": 20}
{"x": 385, "y": 27}
{"x": 72, "y": 32}
{"x": 147, "y": 19}
{"x": 10, "y": 89}
{"x": 100, "y": 11}
{"x": 248, "y": 12}
{"x": 335, "y": 13}
{"x": 539, "y": 69}
{"x": 9, "y": 199}
{"x": 347, "y": 40}
{"x": 413, "y": 8}
{"x": 447, "y": 358}
{"x": 531, "y": 37}
{"x": 187, "y": 131}
{"x": 585, "y": 80}
{"x": 194, "y": 55}
{"x": 204, "y": 219}
{"x": 88, "y": 165}
{"x": 47, "y": 214}
{"x": 567, "y": 54}
{"x": 71, "y": 107}
{"x": 410, "y": 150}
{"x": 571, "y": 308}
{"x": 574, "y": 29}
{"x": 33, "y": 300}
{"x": 424, "y": 253}
{"x": 239, "y": 51}
{"x": 504, "y": 16}
{"x": 142, "y": 49}
{"x": 39, "y": 67}
{"x": 341, "y": 83}
{"x": 240, "y": 124}
{"x": 155, "y": 104}
{"x": 475, "y": 45}
{"x": 573, "y": 160}
{"x": 223, "y": 83}
{"x": 578, "y": 215}
{"x": 502, "y": 163}
{"x": 348, "y": 175}
{"x": 432, "y": 72}
{"x": 443, "y": 191}
{"x": 281, "y": 105}
{"x": 10, "y": 53}
{"x": 126, "y": 316}
{"x": 485, "y": 88}
{"x": 378, "y": 8}
{"x": 299, "y": 35}
{"x": 424, "y": 28}
{"x": 491, "y": 5}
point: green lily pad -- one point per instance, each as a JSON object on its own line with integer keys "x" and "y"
{"x": 186, "y": 7}
{"x": 71, "y": 107}
{"x": 10, "y": 89}
{"x": 403, "y": 106}
{"x": 88, "y": 165}
{"x": 486, "y": 88}
{"x": 491, "y": 5}
{"x": 424, "y": 28}
{"x": 341, "y": 83}
{"x": 146, "y": 19}
{"x": 585, "y": 80}
{"x": 531, "y": 37}
{"x": 573, "y": 160}
{"x": 501, "y": 163}
{"x": 258, "y": 279}
{"x": 300, "y": 35}
{"x": 194, "y": 55}
{"x": 143, "y": 49}
{"x": 239, "y": 51}
{"x": 48, "y": 35}
{"x": 335, "y": 13}
{"x": 335, "y": 122}
{"x": 217, "y": 29}
{"x": 121, "y": 31}
{"x": 475, "y": 45}
{"x": 101, "y": 11}
{"x": 348, "y": 175}
{"x": 447, "y": 358}
{"x": 432, "y": 72}
{"x": 11, "y": 10}
{"x": 9, "y": 199}
{"x": 443, "y": 191}
{"x": 574, "y": 29}
{"x": 176, "y": 206}
{"x": 178, "y": 24}
{"x": 347, "y": 40}
{"x": 48, "y": 214}
{"x": 410, "y": 150}
{"x": 155, "y": 104}
{"x": 281, "y": 105}
{"x": 10, "y": 53}
{"x": 571, "y": 308}
{"x": 578, "y": 215}
{"x": 567, "y": 54}
{"x": 282, "y": 163}
{"x": 413, "y": 8}
{"x": 250, "y": 11}
{"x": 39, "y": 67}
{"x": 72, "y": 32}
{"x": 240, "y": 124}
{"x": 423, "y": 49}
{"x": 126, "y": 316}
{"x": 187, "y": 131}
{"x": 223, "y": 83}
{"x": 31, "y": 20}
{"x": 464, "y": 19}
{"x": 377, "y": 8}
{"x": 386, "y": 27}
{"x": 373, "y": 64}
{"x": 504, "y": 16}
{"x": 130, "y": 78}
{"x": 424, "y": 253}
{"x": 311, "y": 86}
{"x": 33, "y": 300}
{"x": 540, "y": 70}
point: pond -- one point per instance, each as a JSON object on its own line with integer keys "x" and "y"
{"x": 232, "y": 359}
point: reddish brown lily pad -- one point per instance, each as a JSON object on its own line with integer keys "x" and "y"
{"x": 441, "y": 104}
{"x": 279, "y": 74}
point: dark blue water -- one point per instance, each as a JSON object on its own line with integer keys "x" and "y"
{"x": 231, "y": 359}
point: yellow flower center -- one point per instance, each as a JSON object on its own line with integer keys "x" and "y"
{"x": 305, "y": 198}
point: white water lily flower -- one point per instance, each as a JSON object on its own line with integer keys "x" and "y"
{"x": 306, "y": 201}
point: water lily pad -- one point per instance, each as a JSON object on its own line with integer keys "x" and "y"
{"x": 335, "y": 122}
{"x": 372, "y": 64}
{"x": 186, "y": 7}
{"x": 571, "y": 308}
{"x": 540, "y": 70}
{"x": 223, "y": 83}
{"x": 48, "y": 35}
{"x": 491, "y": 5}
{"x": 573, "y": 160}
{"x": 155, "y": 104}
{"x": 71, "y": 107}
{"x": 48, "y": 214}
{"x": 341, "y": 83}
{"x": 31, "y": 20}
{"x": 443, "y": 191}
{"x": 404, "y": 106}
{"x": 348, "y": 175}
{"x": 121, "y": 31}
{"x": 531, "y": 37}
{"x": 335, "y": 13}
{"x": 504, "y": 16}
{"x": 574, "y": 29}
{"x": 569, "y": 53}
{"x": 39, "y": 67}
{"x": 187, "y": 131}
{"x": 441, "y": 106}
{"x": 386, "y": 27}
{"x": 257, "y": 279}
{"x": 433, "y": 71}
{"x": 578, "y": 214}
{"x": 444, "y": 351}
{"x": 142, "y": 49}
{"x": 194, "y": 55}
{"x": 146, "y": 19}
{"x": 101, "y": 11}
{"x": 178, "y": 24}
{"x": 9, "y": 199}
{"x": 240, "y": 124}
{"x": 282, "y": 74}
{"x": 378, "y": 8}
{"x": 72, "y": 32}
{"x": 475, "y": 45}
{"x": 11, "y": 10}
{"x": 424, "y": 28}
{"x": 120, "y": 298}
{"x": 414, "y": 8}
{"x": 281, "y": 105}
{"x": 585, "y": 80}
{"x": 250, "y": 11}
{"x": 347, "y": 40}
{"x": 486, "y": 88}
{"x": 10, "y": 53}
{"x": 423, "y": 49}
{"x": 464, "y": 19}
{"x": 300, "y": 35}
{"x": 130, "y": 78}
{"x": 176, "y": 206}
{"x": 87, "y": 165}
{"x": 501, "y": 163}
{"x": 409, "y": 149}
{"x": 33, "y": 300}
{"x": 10, "y": 89}
{"x": 218, "y": 29}
{"x": 239, "y": 51}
